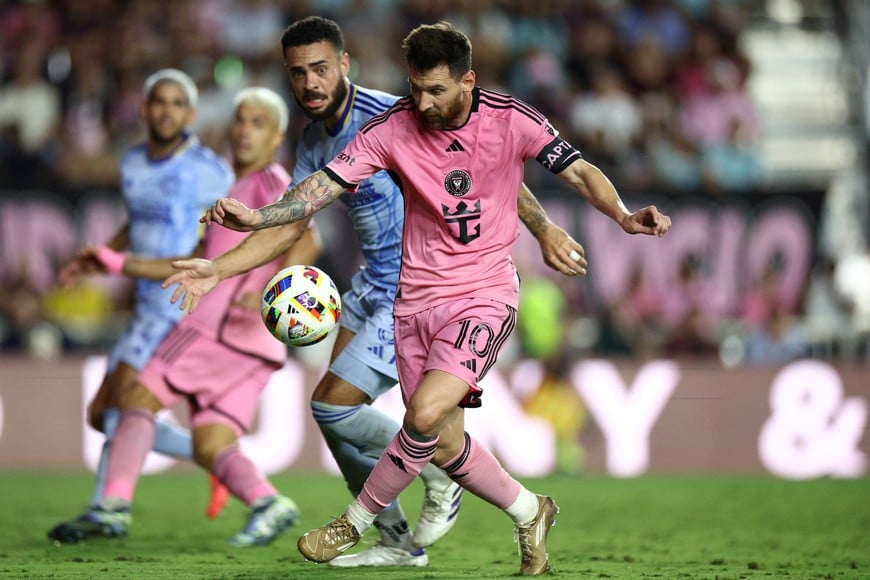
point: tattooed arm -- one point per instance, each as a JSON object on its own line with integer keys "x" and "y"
{"x": 560, "y": 251}
{"x": 301, "y": 201}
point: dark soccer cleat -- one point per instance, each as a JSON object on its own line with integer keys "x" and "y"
{"x": 94, "y": 523}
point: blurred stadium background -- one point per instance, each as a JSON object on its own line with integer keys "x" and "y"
{"x": 738, "y": 343}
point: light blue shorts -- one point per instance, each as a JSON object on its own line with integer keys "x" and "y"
{"x": 368, "y": 362}
{"x": 140, "y": 339}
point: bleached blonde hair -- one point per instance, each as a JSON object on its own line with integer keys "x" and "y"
{"x": 265, "y": 98}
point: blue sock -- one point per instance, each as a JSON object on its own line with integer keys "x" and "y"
{"x": 173, "y": 440}
{"x": 110, "y": 423}
{"x": 367, "y": 429}
{"x": 370, "y": 431}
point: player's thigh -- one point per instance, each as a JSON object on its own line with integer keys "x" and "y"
{"x": 210, "y": 440}
{"x": 462, "y": 338}
{"x": 116, "y": 381}
{"x": 434, "y": 403}
{"x": 363, "y": 365}
{"x": 334, "y": 390}
{"x": 138, "y": 396}
{"x": 367, "y": 329}
{"x": 341, "y": 341}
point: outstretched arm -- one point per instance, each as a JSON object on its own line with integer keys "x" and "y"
{"x": 305, "y": 250}
{"x": 153, "y": 268}
{"x": 592, "y": 184}
{"x": 301, "y": 201}
{"x": 561, "y": 252}
{"x": 196, "y": 277}
{"x": 86, "y": 263}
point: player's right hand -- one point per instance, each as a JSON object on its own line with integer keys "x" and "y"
{"x": 232, "y": 214}
{"x": 195, "y": 278}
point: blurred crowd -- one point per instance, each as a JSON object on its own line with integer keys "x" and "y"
{"x": 652, "y": 91}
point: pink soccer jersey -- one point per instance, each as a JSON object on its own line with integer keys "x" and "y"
{"x": 243, "y": 330}
{"x": 460, "y": 189}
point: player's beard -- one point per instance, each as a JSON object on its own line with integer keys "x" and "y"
{"x": 337, "y": 96}
{"x": 436, "y": 120}
{"x": 162, "y": 140}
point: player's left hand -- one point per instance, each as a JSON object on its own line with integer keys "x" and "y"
{"x": 561, "y": 252}
{"x": 84, "y": 264}
{"x": 649, "y": 221}
{"x": 232, "y": 214}
{"x": 195, "y": 278}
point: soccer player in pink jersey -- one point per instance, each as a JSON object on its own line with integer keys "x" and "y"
{"x": 458, "y": 152}
{"x": 219, "y": 358}
{"x": 362, "y": 364}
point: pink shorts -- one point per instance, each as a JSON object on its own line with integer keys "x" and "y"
{"x": 462, "y": 337}
{"x": 221, "y": 385}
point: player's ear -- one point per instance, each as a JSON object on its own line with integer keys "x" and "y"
{"x": 468, "y": 81}
{"x": 191, "y": 116}
{"x": 345, "y": 64}
{"x": 277, "y": 140}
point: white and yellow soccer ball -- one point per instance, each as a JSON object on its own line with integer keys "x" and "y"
{"x": 300, "y": 305}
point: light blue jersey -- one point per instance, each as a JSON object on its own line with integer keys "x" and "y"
{"x": 377, "y": 211}
{"x": 377, "y": 207}
{"x": 165, "y": 199}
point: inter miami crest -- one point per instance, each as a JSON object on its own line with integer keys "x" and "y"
{"x": 457, "y": 183}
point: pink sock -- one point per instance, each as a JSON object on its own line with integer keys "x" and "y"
{"x": 130, "y": 445}
{"x": 478, "y": 471}
{"x": 241, "y": 476}
{"x": 401, "y": 463}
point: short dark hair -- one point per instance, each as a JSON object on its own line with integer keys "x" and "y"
{"x": 312, "y": 29}
{"x": 432, "y": 45}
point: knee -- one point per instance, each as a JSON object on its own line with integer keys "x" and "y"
{"x": 95, "y": 414}
{"x": 426, "y": 421}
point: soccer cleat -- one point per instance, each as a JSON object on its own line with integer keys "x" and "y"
{"x": 269, "y": 517}
{"x": 438, "y": 515}
{"x": 96, "y": 522}
{"x": 218, "y": 497}
{"x": 325, "y": 543}
{"x": 381, "y": 556}
{"x": 532, "y": 538}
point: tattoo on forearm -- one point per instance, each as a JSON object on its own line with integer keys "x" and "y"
{"x": 532, "y": 214}
{"x": 312, "y": 194}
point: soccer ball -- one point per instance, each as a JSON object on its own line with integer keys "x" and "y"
{"x": 300, "y": 305}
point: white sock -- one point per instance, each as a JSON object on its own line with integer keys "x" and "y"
{"x": 524, "y": 509}
{"x": 435, "y": 478}
{"x": 361, "y": 518}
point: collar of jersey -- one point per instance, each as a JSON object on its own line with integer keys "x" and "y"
{"x": 345, "y": 115}
{"x": 189, "y": 139}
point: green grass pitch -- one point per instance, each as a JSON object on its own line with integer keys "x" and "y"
{"x": 650, "y": 527}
